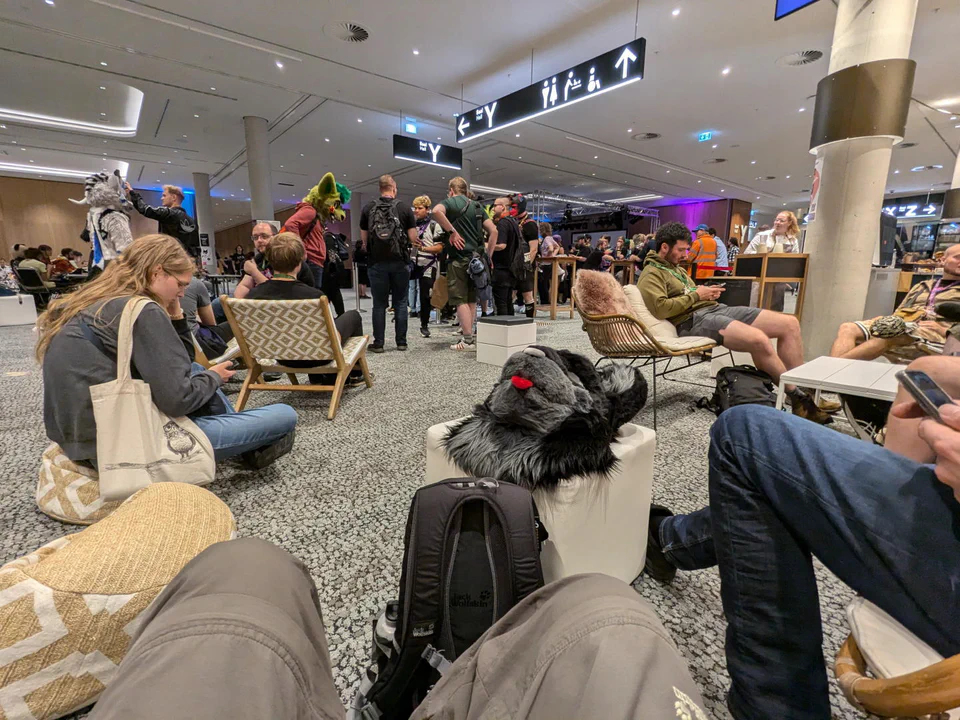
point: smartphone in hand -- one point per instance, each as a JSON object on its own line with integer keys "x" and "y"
{"x": 929, "y": 396}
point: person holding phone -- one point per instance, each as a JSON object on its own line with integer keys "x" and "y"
{"x": 783, "y": 491}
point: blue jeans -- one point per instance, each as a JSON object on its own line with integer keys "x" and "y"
{"x": 389, "y": 280}
{"x": 218, "y": 314}
{"x": 783, "y": 490}
{"x": 233, "y": 433}
{"x": 317, "y": 271}
{"x": 413, "y": 295}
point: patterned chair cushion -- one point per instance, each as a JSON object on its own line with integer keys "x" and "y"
{"x": 288, "y": 329}
{"x": 69, "y": 492}
{"x": 68, "y": 610}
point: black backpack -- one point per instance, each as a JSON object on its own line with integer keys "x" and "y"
{"x": 471, "y": 552}
{"x": 385, "y": 228}
{"x": 740, "y": 385}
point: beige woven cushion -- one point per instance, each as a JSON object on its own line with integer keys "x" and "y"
{"x": 69, "y": 492}
{"x": 660, "y": 329}
{"x": 686, "y": 343}
{"x": 67, "y": 610}
{"x": 288, "y": 329}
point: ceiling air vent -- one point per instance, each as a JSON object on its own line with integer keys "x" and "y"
{"x": 347, "y": 32}
{"x": 714, "y": 161}
{"x": 640, "y": 137}
{"x": 798, "y": 59}
{"x": 286, "y": 184}
{"x": 905, "y": 145}
{"x": 770, "y": 177}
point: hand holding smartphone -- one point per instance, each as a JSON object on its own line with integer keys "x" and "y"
{"x": 929, "y": 396}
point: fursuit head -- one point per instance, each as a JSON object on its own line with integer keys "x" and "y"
{"x": 551, "y": 416}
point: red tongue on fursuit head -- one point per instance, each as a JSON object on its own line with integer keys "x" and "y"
{"x": 521, "y": 383}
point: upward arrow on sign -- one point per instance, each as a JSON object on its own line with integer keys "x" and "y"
{"x": 462, "y": 127}
{"x": 625, "y": 60}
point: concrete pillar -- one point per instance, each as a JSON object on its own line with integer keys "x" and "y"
{"x": 258, "y": 168}
{"x": 205, "y": 221}
{"x": 951, "y": 200}
{"x": 843, "y": 237}
{"x": 356, "y": 207}
{"x": 465, "y": 171}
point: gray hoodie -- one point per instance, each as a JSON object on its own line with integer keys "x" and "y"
{"x": 73, "y": 363}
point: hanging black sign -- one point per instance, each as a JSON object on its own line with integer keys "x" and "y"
{"x": 612, "y": 70}
{"x": 428, "y": 153}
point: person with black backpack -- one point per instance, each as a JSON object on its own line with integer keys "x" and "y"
{"x": 171, "y": 218}
{"x": 387, "y": 230}
{"x": 507, "y": 255}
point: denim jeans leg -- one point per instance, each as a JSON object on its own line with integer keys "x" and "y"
{"x": 413, "y": 295}
{"x": 687, "y": 540}
{"x": 380, "y": 290}
{"x": 399, "y": 284}
{"x": 782, "y": 490}
{"x": 235, "y": 433}
{"x": 218, "y": 314}
{"x": 317, "y": 271}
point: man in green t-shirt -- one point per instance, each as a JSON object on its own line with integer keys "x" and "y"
{"x": 465, "y": 220}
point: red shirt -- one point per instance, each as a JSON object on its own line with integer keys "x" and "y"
{"x": 313, "y": 242}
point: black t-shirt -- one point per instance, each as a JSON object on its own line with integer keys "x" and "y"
{"x": 305, "y": 275}
{"x": 508, "y": 233}
{"x": 530, "y": 232}
{"x": 379, "y": 251}
{"x": 593, "y": 260}
{"x": 284, "y": 290}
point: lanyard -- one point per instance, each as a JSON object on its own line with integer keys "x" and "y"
{"x": 935, "y": 290}
{"x": 681, "y": 276}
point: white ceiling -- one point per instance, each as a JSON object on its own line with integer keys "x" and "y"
{"x": 218, "y": 61}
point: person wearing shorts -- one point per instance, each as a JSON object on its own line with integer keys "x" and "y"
{"x": 671, "y": 294}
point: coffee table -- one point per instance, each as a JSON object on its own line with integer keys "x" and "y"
{"x": 863, "y": 378}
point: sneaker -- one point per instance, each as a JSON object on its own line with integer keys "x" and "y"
{"x": 464, "y": 345}
{"x": 402, "y": 348}
{"x": 829, "y": 406}
{"x": 805, "y": 407}
{"x": 262, "y": 456}
{"x": 415, "y": 313}
{"x": 376, "y": 348}
{"x": 656, "y": 565}
{"x": 425, "y": 332}
{"x": 271, "y": 377}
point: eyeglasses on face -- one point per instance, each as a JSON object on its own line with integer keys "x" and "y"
{"x": 261, "y": 236}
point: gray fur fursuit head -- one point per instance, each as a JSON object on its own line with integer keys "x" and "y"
{"x": 551, "y": 416}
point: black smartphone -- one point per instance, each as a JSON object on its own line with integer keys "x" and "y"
{"x": 929, "y": 396}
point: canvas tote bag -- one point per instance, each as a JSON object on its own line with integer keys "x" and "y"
{"x": 136, "y": 443}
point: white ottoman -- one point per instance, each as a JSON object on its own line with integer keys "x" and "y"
{"x": 17, "y": 310}
{"x": 501, "y": 336}
{"x": 595, "y": 525}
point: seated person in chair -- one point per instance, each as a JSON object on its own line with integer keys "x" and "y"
{"x": 77, "y": 347}
{"x": 914, "y": 330}
{"x": 33, "y": 260}
{"x": 882, "y": 519}
{"x": 671, "y": 294}
{"x": 286, "y": 254}
{"x": 258, "y": 270}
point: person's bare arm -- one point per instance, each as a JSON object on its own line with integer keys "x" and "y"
{"x": 244, "y": 288}
{"x": 251, "y": 269}
{"x": 943, "y": 440}
{"x": 532, "y": 250}
{"x": 492, "y": 235}
{"x": 363, "y": 239}
{"x": 440, "y": 215}
{"x": 206, "y": 315}
{"x": 414, "y": 238}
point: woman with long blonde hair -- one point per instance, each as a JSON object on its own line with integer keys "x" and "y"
{"x": 785, "y": 233}
{"x": 77, "y": 347}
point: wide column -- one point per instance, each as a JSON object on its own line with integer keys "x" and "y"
{"x": 356, "y": 207}
{"x": 861, "y": 113}
{"x": 258, "y": 167}
{"x": 205, "y": 221}
{"x": 464, "y": 172}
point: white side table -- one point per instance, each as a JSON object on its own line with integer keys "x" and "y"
{"x": 17, "y": 310}
{"x": 862, "y": 378}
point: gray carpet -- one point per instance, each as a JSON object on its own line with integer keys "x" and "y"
{"x": 339, "y": 501}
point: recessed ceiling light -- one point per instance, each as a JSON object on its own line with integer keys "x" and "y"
{"x": 162, "y": 172}
{"x": 13, "y": 142}
{"x": 31, "y": 161}
{"x": 723, "y": 191}
{"x": 301, "y": 154}
{"x": 24, "y": 149}
{"x": 279, "y": 65}
{"x": 368, "y": 165}
{"x": 49, "y": 2}
{"x": 699, "y": 181}
{"x": 519, "y": 157}
{"x": 231, "y": 195}
{"x": 753, "y": 162}
{"x": 170, "y": 162}
{"x": 281, "y": 167}
{"x": 594, "y": 174}
{"x": 784, "y": 204}
{"x": 103, "y": 87}
{"x": 325, "y": 140}
{"x": 676, "y": 11}
{"x": 4, "y": 127}
{"x": 439, "y": 138}
{"x": 787, "y": 177}
{"x": 104, "y": 142}
{"x": 184, "y": 136}
{"x": 802, "y": 110}
{"x": 103, "y": 114}
{"x": 953, "y": 117}
{"x": 715, "y": 147}
{"x": 668, "y": 171}
{"x": 195, "y": 115}
{"x": 758, "y": 197}
{"x": 518, "y": 134}
{"x": 359, "y": 120}
{"x": 896, "y": 172}
{"x": 104, "y": 154}
{"x": 103, "y": 64}
{"x": 241, "y": 190}
{"x": 556, "y": 166}
{"x": 725, "y": 71}
{"x": 629, "y": 130}
{"x": 596, "y": 157}
{"x": 416, "y": 52}
{"x": 213, "y": 88}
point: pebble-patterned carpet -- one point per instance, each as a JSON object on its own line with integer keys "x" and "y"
{"x": 339, "y": 501}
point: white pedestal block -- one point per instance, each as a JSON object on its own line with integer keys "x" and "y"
{"x": 595, "y": 524}
{"x": 500, "y": 337}
{"x": 18, "y": 310}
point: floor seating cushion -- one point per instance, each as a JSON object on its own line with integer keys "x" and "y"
{"x": 68, "y": 609}
{"x": 595, "y": 524}
{"x": 69, "y": 492}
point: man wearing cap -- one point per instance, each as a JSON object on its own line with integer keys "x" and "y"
{"x": 703, "y": 252}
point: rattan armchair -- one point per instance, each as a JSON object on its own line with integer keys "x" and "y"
{"x": 927, "y": 692}
{"x": 625, "y": 337}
